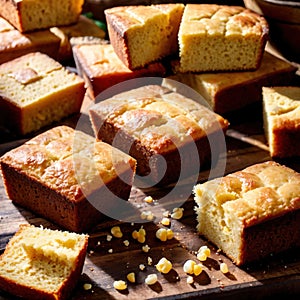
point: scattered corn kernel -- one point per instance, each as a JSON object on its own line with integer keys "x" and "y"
{"x": 140, "y": 235}
{"x": 224, "y": 268}
{"x": 142, "y": 267}
{"x": 188, "y": 266}
{"x": 164, "y": 265}
{"x": 110, "y": 250}
{"x": 147, "y": 215}
{"x": 165, "y": 221}
{"x": 116, "y": 232}
{"x": 177, "y": 213}
{"x": 190, "y": 279}
{"x": 146, "y": 248}
{"x": 109, "y": 237}
{"x": 151, "y": 279}
{"x": 126, "y": 243}
{"x": 131, "y": 277}
{"x": 120, "y": 285}
{"x": 197, "y": 269}
{"x": 148, "y": 199}
{"x": 166, "y": 213}
{"x": 87, "y": 286}
{"x": 164, "y": 234}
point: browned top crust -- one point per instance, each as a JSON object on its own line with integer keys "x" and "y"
{"x": 256, "y": 194}
{"x": 68, "y": 161}
{"x": 159, "y": 118}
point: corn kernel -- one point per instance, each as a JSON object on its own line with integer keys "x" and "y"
{"x": 164, "y": 266}
{"x": 120, "y": 285}
{"x": 147, "y": 215}
{"x": 151, "y": 279}
{"x": 87, "y": 286}
{"x": 131, "y": 277}
{"x": 116, "y": 232}
{"x": 148, "y": 199}
{"x": 188, "y": 266}
{"x": 140, "y": 235}
{"x": 197, "y": 269}
{"x": 190, "y": 279}
{"x": 177, "y": 213}
{"x": 109, "y": 237}
{"x": 164, "y": 234}
{"x": 165, "y": 221}
{"x": 224, "y": 268}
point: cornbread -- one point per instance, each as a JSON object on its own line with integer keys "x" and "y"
{"x": 230, "y": 91}
{"x": 40, "y": 263}
{"x": 37, "y": 91}
{"x": 165, "y": 131}
{"x": 101, "y": 68}
{"x": 144, "y": 33}
{"x": 29, "y": 15}
{"x": 251, "y": 213}
{"x": 220, "y": 38}
{"x": 281, "y": 115}
{"x": 67, "y": 177}
{"x": 14, "y": 44}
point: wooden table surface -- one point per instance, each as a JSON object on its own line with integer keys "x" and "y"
{"x": 108, "y": 261}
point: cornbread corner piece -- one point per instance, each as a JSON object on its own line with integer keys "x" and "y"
{"x": 67, "y": 177}
{"x": 144, "y": 33}
{"x": 14, "y": 44}
{"x": 226, "y": 92}
{"x": 37, "y": 91}
{"x": 30, "y": 15}
{"x": 281, "y": 115}
{"x": 252, "y": 213}
{"x": 171, "y": 136}
{"x": 101, "y": 68}
{"x": 40, "y": 263}
{"x": 221, "y": 38}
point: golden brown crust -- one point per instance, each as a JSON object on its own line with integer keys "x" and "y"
{"x": 157, "y": 121}
{"x": 101, "y": 68}
{"x": 62, "y": 167}
{"x": 251, "y": 213}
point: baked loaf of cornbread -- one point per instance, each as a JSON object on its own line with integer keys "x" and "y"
{"x": 166, "y": 132}
{"x": 37, "y": 91}
{"x": 40, "y": 263}
{"x": 220, "y": 38}
{"x": 67, "y": 177}
{"x": 29, "y": 15}
{"x": 251, "y": 213}
{"x": 230, "y": 91}
{"x": 281, "y": 115}
{"x": 14, "y": 44}
{"x": 144, "y": 33}
{"x": 101, "y": 68}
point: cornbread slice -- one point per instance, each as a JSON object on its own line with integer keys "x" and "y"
{"x": 14, "y": 44}
{"x": 67, "y": 177}
{"x": 281, "y": 112}
{"x": 40, "y": 263}
{"x": 251, "y": 213}
{"x": 220, "y": 38}
{"x": 101, "y": 68}
{"x": 230, "y": 91}
{"x": 144, "y": 33}
{"x": 171, "y": 136}
{"x": 37, "y": 91}
{"x": 29, "y": 15}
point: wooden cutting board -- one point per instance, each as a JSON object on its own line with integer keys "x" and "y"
{"x": 108, "y": 261}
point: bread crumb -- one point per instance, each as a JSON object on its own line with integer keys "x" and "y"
{"x": 146, "y": 248}
{"x": 126, "y": 243}
{"x": 142, "y": 267}
{"x": 109, "y": 237}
